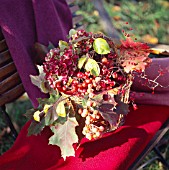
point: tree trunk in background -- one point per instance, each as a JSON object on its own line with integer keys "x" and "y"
{"x": 105, "y": 19}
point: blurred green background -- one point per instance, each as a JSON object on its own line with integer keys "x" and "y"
{"x": 149, "y": 20}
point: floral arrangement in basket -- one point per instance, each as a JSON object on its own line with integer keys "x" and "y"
{"x": 88, "y": 80}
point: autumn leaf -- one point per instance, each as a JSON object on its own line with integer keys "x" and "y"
{"x": 36, "y": 116}
{"x": 149, "y": 39}
{"x": 112, "y": 118}
{"x": 122, "y": 108}
{"x": 72, "y": 32}
{"x": 60, "y": 109}
{"x": 81, "y": 61}
{"x": 134, "y": 55}
{"x": 39, "y": 80}
{"x": 36, "y": 127}
{"x": 63, "y": 45}
{"x": 92, "y": 66}
{"x": 65, "y": 136}
{"x": 101, "y": 46}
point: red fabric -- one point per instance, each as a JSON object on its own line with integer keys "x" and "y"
{"x": 115, "y": 151}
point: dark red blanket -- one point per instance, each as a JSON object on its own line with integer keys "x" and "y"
{"x": 115, "y": 151}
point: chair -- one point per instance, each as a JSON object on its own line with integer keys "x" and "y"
{"x": 129, "y": 143}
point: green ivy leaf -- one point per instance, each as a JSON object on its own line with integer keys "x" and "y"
{"x": 36, "y": 127}
{"x": 72, "y": 32}
{"x": 98, "y": 97}
{"x": 64, "y": 137}
{"x": 101, "y": 46}
{"x": 52, "y": 99}
{"x": 84, "y": 102}
{"x": 63, "y": 45}
{"x": 29, "y": 113}
{"x": 93, "y": 67}
{"x": 81, "y": 61}
{"x": 60, "y": 109}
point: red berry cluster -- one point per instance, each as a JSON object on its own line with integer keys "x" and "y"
{"x": 63, "y": 74}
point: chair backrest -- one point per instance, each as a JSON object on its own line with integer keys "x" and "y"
{"x": 10, "y": 83}
{"x": 11, "y": 86}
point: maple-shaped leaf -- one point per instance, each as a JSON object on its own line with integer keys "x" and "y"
{"x": 65, "y": 136}
{"x": 121, "y": 107}
{"x": 39, "y": 80}
{"x": 36, "y": 127}
{"x": 112, "y": 118}
{"x": 29, "y": 113}
{"x": 135, "y": 55}
{"x": 53, "y": 97}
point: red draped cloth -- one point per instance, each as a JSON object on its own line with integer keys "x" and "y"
{"x": 115, "y": 151}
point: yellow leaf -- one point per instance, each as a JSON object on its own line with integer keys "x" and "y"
{"x": 36, "y": 116}
{"x": 60, "y": 109}
{"x": 69, "y": 81}
{"x": 116, "y": 8}
{"x": 114, "y": 91}
{"x": 150, "y": 39}
{"x": 46, "y": 108}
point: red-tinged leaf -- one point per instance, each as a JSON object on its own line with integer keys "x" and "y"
{"x": 122, "y": 108}
{"x": 135, "y": 55}
{"x": 65, "y": 136}
{"x": 107, "y": 111}
{"x": 112, "y": 118}
{"x": 107, "y": 107}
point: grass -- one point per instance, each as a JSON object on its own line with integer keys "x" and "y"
{"x": 16, "y": 112}
{"x": 148, "y": 18}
